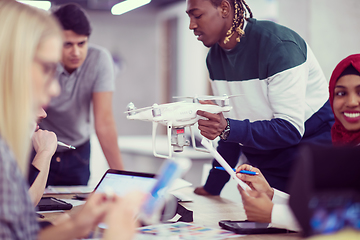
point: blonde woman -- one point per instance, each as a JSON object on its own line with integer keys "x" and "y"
{"x": 30, "y": 47}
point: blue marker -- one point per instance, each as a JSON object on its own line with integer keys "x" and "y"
{"x": 242, "y": 171}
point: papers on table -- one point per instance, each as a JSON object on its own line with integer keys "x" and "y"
{"x": 181, "y": 230}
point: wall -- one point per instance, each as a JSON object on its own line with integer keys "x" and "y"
{"x": 329, "y": 26}
{"x": 137, "y": 38}
{"x": 132, "y": 39}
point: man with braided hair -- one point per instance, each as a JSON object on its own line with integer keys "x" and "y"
{"x": 284, "y": 97}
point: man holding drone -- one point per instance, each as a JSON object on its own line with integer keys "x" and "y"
{"x": 284, "y": 97}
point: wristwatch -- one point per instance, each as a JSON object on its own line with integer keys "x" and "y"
{"x": 224, "y": 135}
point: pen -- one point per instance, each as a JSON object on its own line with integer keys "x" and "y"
{"x": 248, "y": 172}
{"x": 223, "y": 169}
{"x": 242, "y": 171}
{"x": 66, "y": 145}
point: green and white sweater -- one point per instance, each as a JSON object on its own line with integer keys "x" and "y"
{"x": 284, "y": 100}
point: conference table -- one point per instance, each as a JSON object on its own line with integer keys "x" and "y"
{"x": 207, "y": 211}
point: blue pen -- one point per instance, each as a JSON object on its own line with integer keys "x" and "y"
{"x": 242, "y": 171}
{"x": 248, "y": 172}
{"x": 223, "y": 169}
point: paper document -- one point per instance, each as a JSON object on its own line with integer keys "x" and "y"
{"x": 208, "y": 145}
{"x": 181, "y": 230}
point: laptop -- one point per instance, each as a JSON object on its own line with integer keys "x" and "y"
{"x": 122, "y": 182}
{"x": 325, "y": 189}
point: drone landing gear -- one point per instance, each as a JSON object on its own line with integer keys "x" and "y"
{"x": 176, "y": 140}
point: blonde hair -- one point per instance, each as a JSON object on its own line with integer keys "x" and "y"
{"x": 22, "y": 29}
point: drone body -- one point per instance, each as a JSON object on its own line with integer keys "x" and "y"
{"x": 176, "y": 116}
{"x": 181, "y": 114}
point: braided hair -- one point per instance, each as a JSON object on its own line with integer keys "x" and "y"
{"x": 240, "y": 14}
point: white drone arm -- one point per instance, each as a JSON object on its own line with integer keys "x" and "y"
{"x": 194, "y": 143}
{"x": 169, "y": 127}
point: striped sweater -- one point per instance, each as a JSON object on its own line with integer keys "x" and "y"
{"x": 283, "y": 101}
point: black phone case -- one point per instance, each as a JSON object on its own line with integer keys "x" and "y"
{"x": 51, "y": 203}
{"x": 231, "y": 225}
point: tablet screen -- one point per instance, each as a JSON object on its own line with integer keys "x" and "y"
{"x": 122, "y": 182}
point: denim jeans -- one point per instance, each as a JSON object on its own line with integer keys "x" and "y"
{"x": 70, "y": 167}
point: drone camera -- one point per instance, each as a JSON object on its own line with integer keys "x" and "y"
{"x": 178, "y": 139}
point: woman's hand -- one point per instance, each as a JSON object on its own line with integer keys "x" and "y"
{"x": 258, "y": 206}
{"x": 121, "y": 217}
{"x": 256, "y": 182}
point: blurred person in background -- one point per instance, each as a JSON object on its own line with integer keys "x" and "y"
{"x": 86, "y": 76}
{"x": 26, "y": 84}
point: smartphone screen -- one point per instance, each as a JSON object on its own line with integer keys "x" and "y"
{"x": 158, "y": 191}
{"x": 251, "y": 225}
{"x": 245, "y": 227}
{"x": 170, "y": 170}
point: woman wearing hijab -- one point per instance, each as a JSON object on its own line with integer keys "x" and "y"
{"x": 344, "y": 89}
{"x": 344, "y": 96}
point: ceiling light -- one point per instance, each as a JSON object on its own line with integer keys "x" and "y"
{"x": 46, "y": 5}
{"x": 127, "y": 6}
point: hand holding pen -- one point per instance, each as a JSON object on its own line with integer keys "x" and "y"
{"x": 256, "y": 182}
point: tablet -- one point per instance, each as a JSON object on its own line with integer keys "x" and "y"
{"x": 122, "y": 182}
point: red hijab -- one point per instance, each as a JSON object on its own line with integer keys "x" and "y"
{"x": 339, "y": 135}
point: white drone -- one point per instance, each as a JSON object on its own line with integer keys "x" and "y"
{"x": 176, "y": 116}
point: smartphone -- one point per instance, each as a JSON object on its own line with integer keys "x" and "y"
{"x": 153, "y": 206}
{"x": 51, "y": 203}
{"x": 247, "y": 227}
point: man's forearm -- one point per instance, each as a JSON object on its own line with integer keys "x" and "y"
{"x": 109, "y": 144}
